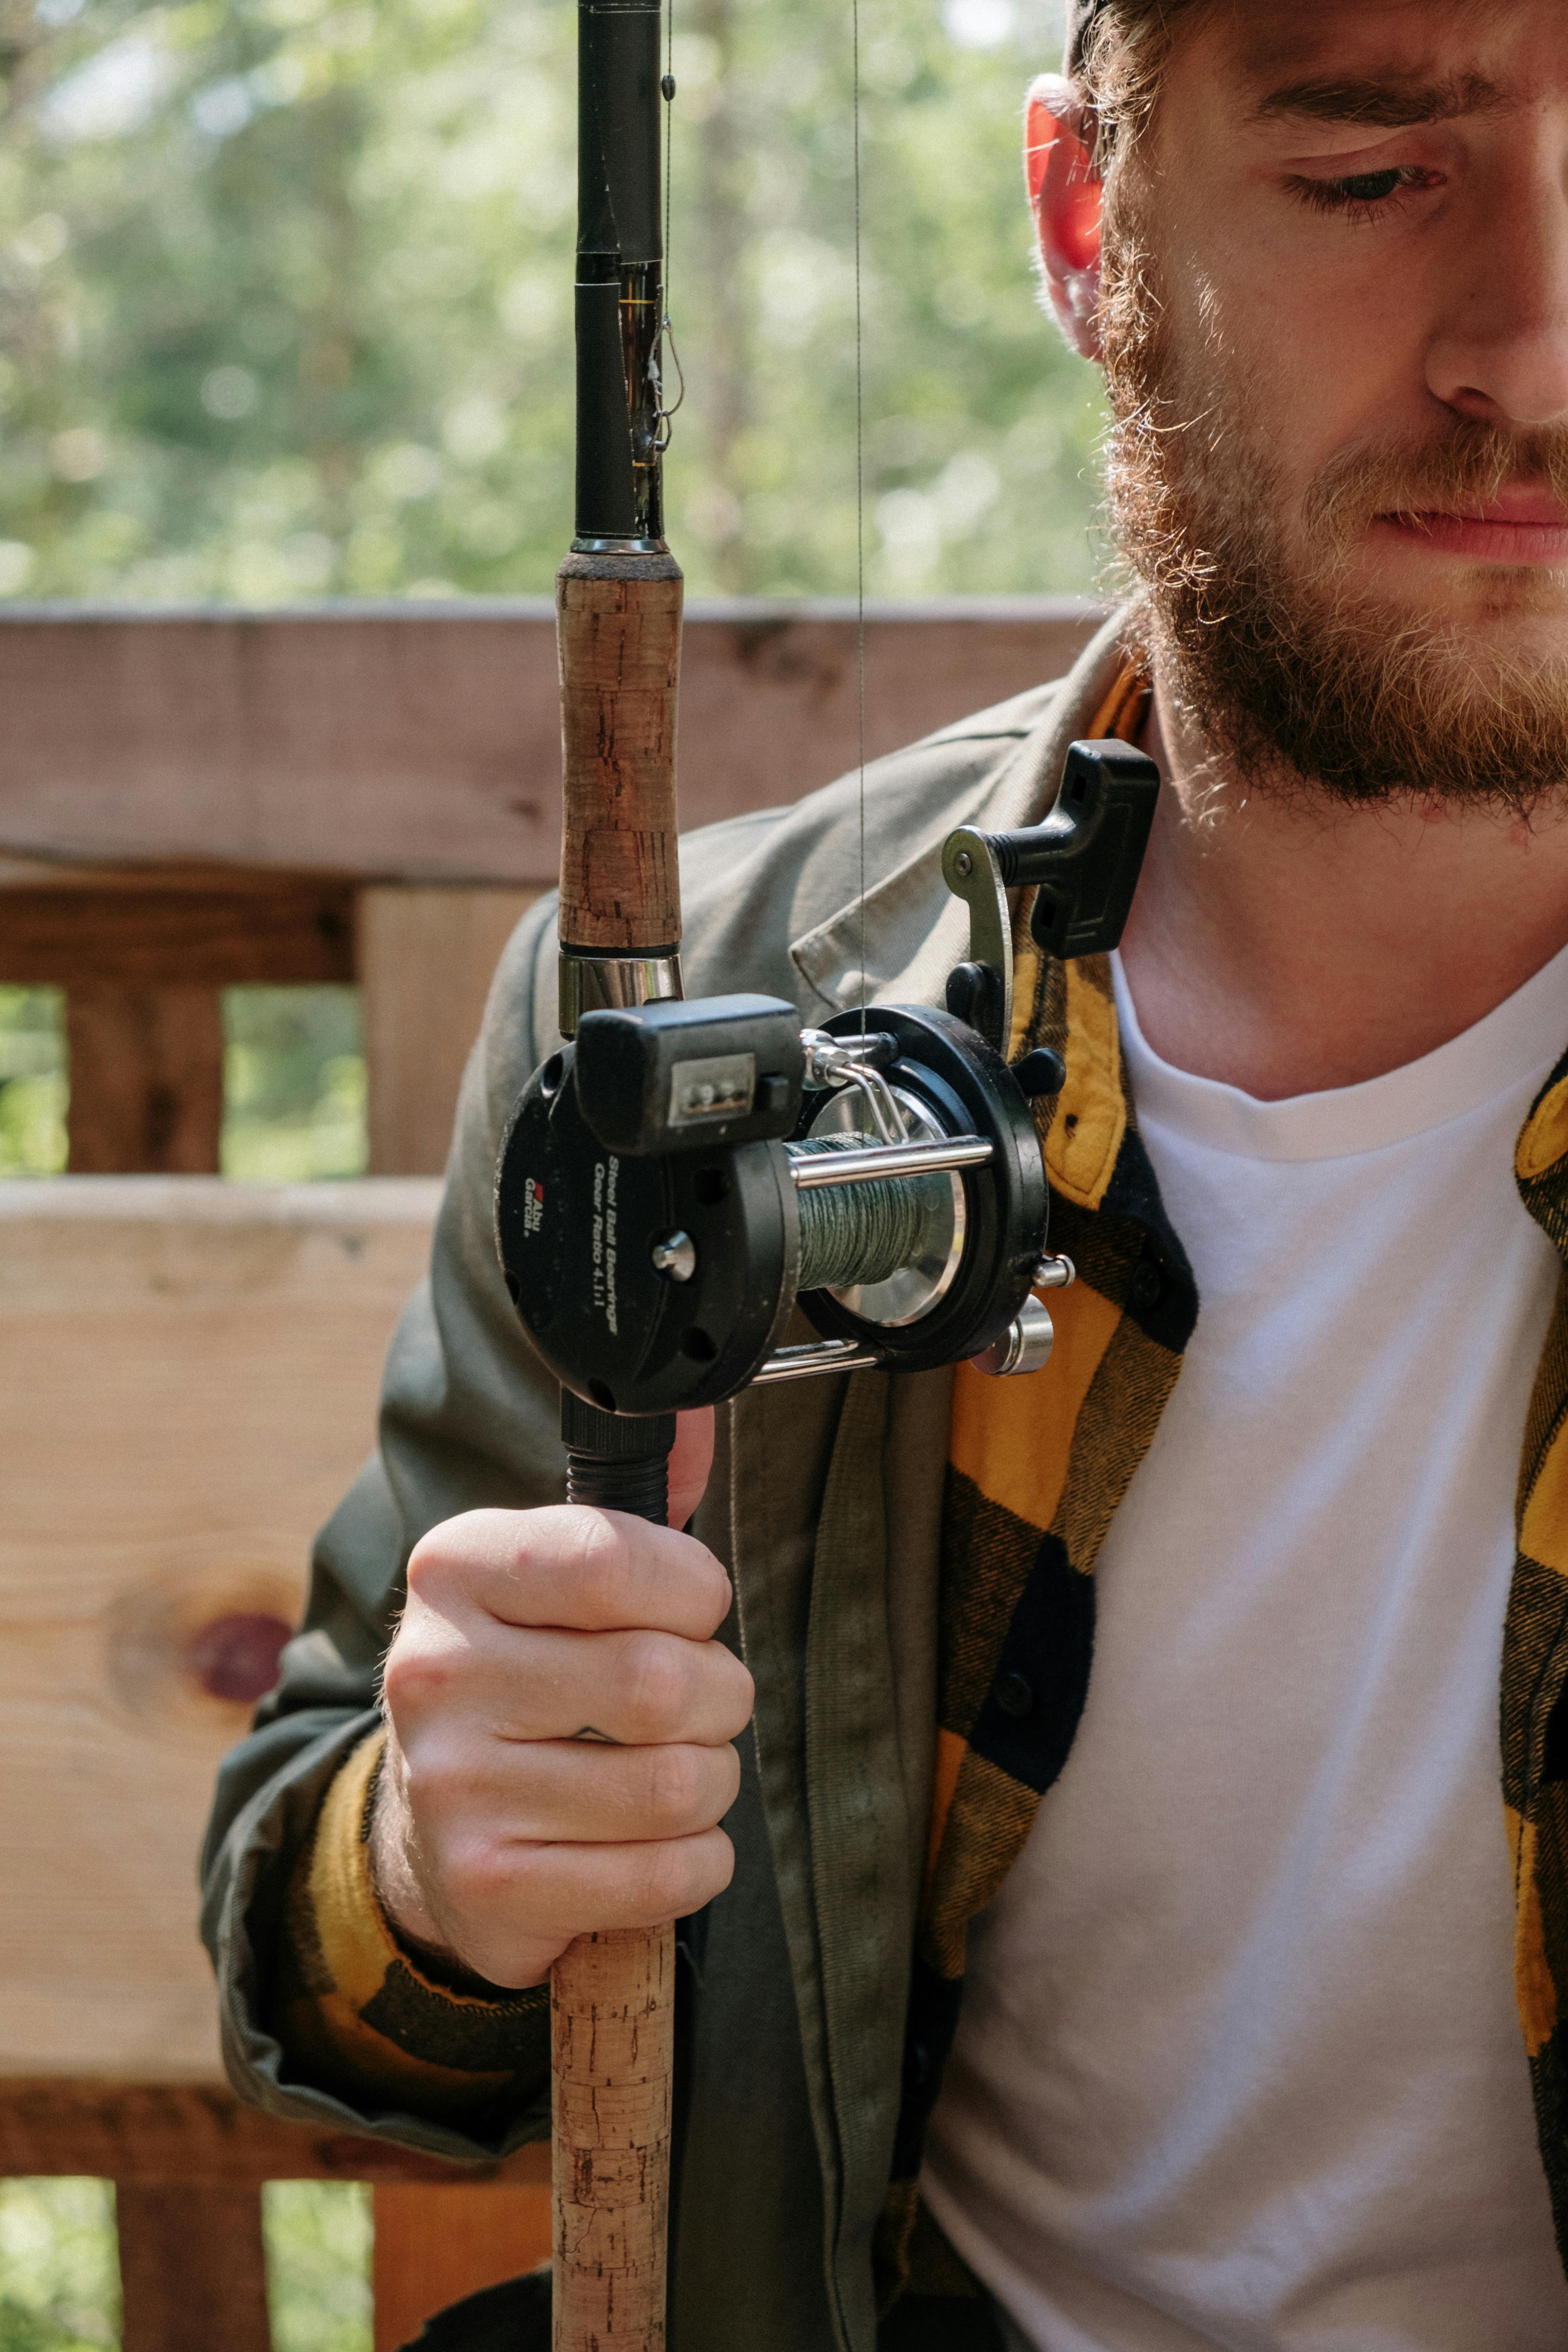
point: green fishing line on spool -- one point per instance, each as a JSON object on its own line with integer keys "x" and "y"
{"x": 863, "y": 1232}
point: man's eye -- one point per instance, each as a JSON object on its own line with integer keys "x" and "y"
{"x": 1364, "y": 194}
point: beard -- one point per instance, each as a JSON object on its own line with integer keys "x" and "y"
{"x": 1294, "y": 678}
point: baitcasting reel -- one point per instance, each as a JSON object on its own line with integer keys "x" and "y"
{"x": 682, "y": 1175}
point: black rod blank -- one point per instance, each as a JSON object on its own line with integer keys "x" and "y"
{"x": 620, "y": 272}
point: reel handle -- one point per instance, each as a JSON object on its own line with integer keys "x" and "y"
{"x": 612, "y": 2014}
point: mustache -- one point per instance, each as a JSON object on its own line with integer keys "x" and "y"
{"x": 1468, "y": 467}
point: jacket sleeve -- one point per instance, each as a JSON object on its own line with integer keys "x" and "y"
{"x": 468, "y": 1417}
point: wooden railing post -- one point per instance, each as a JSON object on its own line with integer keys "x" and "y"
{"x": 426, "y": 958}
{"x": 192, "y": 2270}
{"x": 146, "y": 1081}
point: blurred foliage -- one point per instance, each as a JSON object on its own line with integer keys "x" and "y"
{"x": 293, "y": 1085}
{"x": 32, "y": 1088}
{"x": 294, "y": 1088}
{"x": 59, "y": 2277}
{"x": 319, "y": 2235}
{"x": 285, "y": 300}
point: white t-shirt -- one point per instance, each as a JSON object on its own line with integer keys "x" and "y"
{"x": 1239, "y": 2062}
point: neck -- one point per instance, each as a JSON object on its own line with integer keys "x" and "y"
{"x": 1286, "y": 945}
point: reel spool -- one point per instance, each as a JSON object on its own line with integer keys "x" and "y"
{"x": 680, "y": 1176}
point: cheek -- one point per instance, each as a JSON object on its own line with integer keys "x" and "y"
{"x": 1291, "y": 366}
{"x": 1333, "y": 332}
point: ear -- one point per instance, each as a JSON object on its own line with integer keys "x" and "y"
{"x": 1064, "y": 196}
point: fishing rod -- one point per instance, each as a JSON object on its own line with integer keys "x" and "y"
{"x": 681, "y": 1176}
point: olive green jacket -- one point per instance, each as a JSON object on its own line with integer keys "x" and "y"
{"x": 824, "y": 1503}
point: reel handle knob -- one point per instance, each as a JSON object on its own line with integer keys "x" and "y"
{"x": 1043, "y": 1072}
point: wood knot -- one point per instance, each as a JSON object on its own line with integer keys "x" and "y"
{"x": 235, "y": 1657}
{"x": 190, "y": 1650}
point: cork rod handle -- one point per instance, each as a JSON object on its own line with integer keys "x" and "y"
{"x": 612, "y": 2015}
{"x": 611, "y": 2009}
{"x": 618, "y": 621}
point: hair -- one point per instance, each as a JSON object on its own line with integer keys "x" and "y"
{"x": 1120, "y": 64}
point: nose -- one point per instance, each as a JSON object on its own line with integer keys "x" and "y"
{"x": 1501, "y": 354}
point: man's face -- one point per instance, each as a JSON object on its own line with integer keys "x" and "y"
{"x": 1336, "y": 331}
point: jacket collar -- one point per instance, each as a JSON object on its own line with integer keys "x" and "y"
{"x": 914, "y": 930}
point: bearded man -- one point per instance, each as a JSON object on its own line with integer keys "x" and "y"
{"x": 1174, "y": 2001}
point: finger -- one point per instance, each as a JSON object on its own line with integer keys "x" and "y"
{"x": 642, "y": 1689}
{"x": 569, "y": 1565}
{"x": 501, "y": 1893}
{"x": 581, "y": 1793}
{"x": 690, "y": 1463}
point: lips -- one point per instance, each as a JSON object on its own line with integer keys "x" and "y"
{"x": 1521, "y": 524}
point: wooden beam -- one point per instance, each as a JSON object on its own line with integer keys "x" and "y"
{"x": 194, "y": 1384}
{"x": 196, "y": 930}
{"x": 396, "y": 742}
{"x": 148, "y": 2135}
{"x": 427, "y": 959}
{"x": 146, "y": 1080}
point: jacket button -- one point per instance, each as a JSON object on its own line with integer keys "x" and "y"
{"x": 1147, "y": 1286}
{"x": 1014, "y": 1695}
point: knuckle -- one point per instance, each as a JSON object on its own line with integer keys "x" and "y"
{"x": 475, "y": 1876}
{"x": 657, "y": 1682}
{"x": 719, "y": 1859}
{"x": 434, "y": 1563}
{"x": 664, "y": 1875}
{"x": 708, "y": 1583}
{"x": 436, "y": 1785}
{"x": 737, "y": 1691}
{"x": 689, "y": 1871}
{"x": 598, "y": 1557}
{"x": 678, "y": 1788}
{"x": 412, "y": 1678}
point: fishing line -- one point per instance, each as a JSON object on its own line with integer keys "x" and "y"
{"x": 665, "y": 327}
{"x": 859, "y": 487}
{"x": 666, "y": 91}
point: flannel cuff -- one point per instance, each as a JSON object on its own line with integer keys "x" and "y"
{"x": 361, "y": 2013}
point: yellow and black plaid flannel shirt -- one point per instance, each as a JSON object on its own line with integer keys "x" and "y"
{"x": 1036, "y": 1469}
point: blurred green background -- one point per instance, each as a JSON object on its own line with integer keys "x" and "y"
{"x": 60, "y": 2288}
{"x": 285, "y": 314}
{"x": 294, "y": 1084}
{"x": 285, "y": 300}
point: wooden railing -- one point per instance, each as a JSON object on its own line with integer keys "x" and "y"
{"x": 190, "y": 1367}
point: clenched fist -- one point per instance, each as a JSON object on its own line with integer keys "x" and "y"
{"x": 560, "y": 1720}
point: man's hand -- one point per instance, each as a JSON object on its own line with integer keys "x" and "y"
{"x": 507, "y": 1822}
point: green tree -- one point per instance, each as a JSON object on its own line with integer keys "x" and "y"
{"x": 285, "y": 300}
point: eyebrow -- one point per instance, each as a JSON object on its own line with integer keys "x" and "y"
{"x": 1387, "y": 103}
